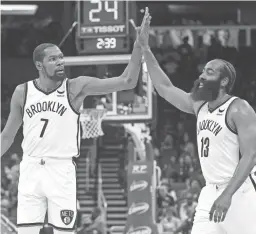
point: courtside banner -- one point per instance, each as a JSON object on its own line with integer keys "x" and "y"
{"x": 140, "y": 214}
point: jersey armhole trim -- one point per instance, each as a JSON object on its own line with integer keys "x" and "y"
{"x": 226, "y": 117}
{"x": 200, "y": 107}
{"x": 25, "y": 98}
{"x": 69, "y": 102}
{"x": 253, "y": 182}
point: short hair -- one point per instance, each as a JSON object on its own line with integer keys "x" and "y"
{"x": 38, "y": 54}
{"x": 228, "y": 70}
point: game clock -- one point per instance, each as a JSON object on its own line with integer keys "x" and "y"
{"x": 103, "y": 27}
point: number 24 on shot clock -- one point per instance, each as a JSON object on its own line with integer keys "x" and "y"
{"x": 104, "y": 25}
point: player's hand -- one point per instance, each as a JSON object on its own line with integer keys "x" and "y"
{"x": 220, "y": 208}
{"x": 145, "y": 27}
{"x": 142, "y": 32}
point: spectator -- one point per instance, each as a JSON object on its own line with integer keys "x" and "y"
{"x": 184, "y": 167}
{"x": 5, "y": 205}
{"x": 169, "y": 222}
{"x": 185, "y": 49}
{"x": 172, "y": 169}
{"x": 187, "y": 208}
{"x": 180, "y": 132}
{"x": 189, "y": 147}
{"x": 167, "y": 150}
{"x": 94, "y": 225}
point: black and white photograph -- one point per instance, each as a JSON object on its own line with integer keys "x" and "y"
{"x": 128, "y": 117}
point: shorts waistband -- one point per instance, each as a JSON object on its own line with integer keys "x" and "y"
{"x": 217, "y": 185}
{"x": 225, "y": 184}
{"x": 49, "y": 159}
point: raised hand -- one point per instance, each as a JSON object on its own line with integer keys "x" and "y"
{"x": 142, "y": 32}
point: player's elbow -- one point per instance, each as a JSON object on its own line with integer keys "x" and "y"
{"x": 129, "y": 82}
{"x": 254, "y": 158}
{"x": 162, "y": 90}
{"x": 7, "y": 137}
{"x": 6, "y": 142}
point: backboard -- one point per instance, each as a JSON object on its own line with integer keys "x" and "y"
{"x": 126, "y": 106}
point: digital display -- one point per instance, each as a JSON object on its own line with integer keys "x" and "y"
{"x": 103, "y": 26}
{"x": 99, "y": 18}
{"x": 101, "y": 45}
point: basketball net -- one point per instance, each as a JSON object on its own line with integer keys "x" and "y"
{"x": 91, "y": 120}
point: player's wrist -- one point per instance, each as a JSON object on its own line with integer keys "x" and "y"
{"x": 136, "y": 45}
{"x": 145, "y": 48}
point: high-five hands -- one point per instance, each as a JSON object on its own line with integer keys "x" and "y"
{"x": 142, "y": 32}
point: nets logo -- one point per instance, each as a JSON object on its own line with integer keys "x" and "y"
{"x": 138, "y": 208}
{"x": 138, "y": 185}
{"x": 140, "y": 230}
{"x": 139, "y": 169}
{"x": 66, "y": 216}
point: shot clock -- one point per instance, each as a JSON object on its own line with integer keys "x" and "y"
{"x": 103, "y": 27}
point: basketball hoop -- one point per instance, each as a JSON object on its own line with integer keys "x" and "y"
{"x": 91, "y": 120}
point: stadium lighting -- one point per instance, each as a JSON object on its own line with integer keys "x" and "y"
{"x": 9, "y": 9}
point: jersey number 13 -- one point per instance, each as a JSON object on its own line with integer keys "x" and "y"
{"x": 205, "y": 142}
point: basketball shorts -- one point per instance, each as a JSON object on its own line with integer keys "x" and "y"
{"x": 47, "y": 184}
{"x": 240, "y": 218}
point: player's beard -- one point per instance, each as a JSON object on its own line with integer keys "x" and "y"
{"x": 209, "y": 91}
{"x": 55, "y": 77}
{"x": 58, "y": 77}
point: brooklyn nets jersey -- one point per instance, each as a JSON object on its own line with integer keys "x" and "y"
{"x": 218, "y": 145}
{"x": 50, "y": 124}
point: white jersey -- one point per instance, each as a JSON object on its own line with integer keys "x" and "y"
{"x": 218, "y": 146}
{"x": 51, "y": 127}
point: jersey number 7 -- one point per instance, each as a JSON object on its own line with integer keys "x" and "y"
{"x": 44, "y": 127}
{"x": 205, "y": 142}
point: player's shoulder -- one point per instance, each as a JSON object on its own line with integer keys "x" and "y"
{"x": 240, "y": 110}
{"x": 197, "y": 106}
{"x": 79, "y": 80}
{"x": 20, "y": 93}
{"x": 77, "y": 84}
{"x": 239, "y": 105}
{"x": 21, "y": 90}
{"x": 21, "y": 87}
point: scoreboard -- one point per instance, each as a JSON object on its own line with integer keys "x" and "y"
{"x": 103, "y": 27}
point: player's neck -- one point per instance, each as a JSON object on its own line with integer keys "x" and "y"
{"x": 47, "y": 84}
{"x": 222, "y": 97}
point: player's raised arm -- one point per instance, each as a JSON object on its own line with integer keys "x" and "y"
{"x": 161, "y": 81}
{"x": 127, "y": 80}
{"x": 14, "y": 119}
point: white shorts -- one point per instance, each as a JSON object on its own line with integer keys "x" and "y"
{"x": 240, "y": 218}
{"x": 47, "y": 184}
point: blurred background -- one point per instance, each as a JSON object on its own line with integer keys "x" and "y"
{"x": 183, "y": 37}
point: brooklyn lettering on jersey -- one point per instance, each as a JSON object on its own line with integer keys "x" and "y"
{"x": 46, "y": 106}
{"x": 209, "y": 125}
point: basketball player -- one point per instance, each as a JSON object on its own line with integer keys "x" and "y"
{"x": 48, "y": 107}
{"x": 226, "y": 127}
